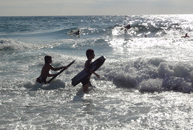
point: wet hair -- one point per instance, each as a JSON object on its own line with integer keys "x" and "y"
{"x": 47, "y": 59}
{"x": 89, "y": 52}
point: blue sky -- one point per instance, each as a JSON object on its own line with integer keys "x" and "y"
{"x": 93, "y": 7}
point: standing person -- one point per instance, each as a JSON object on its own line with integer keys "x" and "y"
{"x": 45, "y": 70}
{"x": 87, "y": 67}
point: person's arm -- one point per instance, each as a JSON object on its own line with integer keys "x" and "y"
{"x": 98, "y": 76}
{"x": 59, "y": 68}
{"x": 50, "y": 75}
{"x": 92, "y": 72}
{"x": 55, "y": 69}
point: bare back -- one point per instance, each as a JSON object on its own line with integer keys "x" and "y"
{"x": 45, "y": 71}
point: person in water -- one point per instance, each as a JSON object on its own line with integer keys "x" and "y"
{"x": 125, "y": 28}
{"x": 128, "y": 26}
{"x": 45, "y": 70}
{"x": 74, "y": 32}
{"x": 87, "y": 67}
{"x": 186, "y": 36}
{"x": 77, "y": 32}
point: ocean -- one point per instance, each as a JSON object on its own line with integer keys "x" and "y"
{"x": 146, "y": 81}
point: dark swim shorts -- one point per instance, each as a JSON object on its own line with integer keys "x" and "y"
{"x": 86, "y": 81}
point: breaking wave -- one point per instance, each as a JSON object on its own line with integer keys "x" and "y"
{"x": 154, "y": 75}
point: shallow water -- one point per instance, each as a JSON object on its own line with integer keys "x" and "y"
{"x": 105, "y": 107}
{"x": 146, "y": 83}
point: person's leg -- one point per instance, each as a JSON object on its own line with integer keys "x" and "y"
{"x": 85, "y": 88}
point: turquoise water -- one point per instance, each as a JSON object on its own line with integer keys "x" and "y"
{"x": 146, "y": 82}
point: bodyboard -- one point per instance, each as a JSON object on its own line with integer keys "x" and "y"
{"x": 60, "y": 72}
{"x": 83, "y": 74}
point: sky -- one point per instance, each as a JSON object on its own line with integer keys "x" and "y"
{"x": 93, "y": 7}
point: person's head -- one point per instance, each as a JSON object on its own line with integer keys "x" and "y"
{"x": 90, "y": 54}
{"x": 48, "y": 59}
{"x": 78, "y": 32}
{"x": 128, "y": 26}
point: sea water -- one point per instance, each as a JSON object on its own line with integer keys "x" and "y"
{"x": 146, "y": 82}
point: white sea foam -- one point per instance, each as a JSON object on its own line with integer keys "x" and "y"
{"x": 12, "y": 44}
{"x": 139, "y": 79}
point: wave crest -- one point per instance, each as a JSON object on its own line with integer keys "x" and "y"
{"x": 150, "y": 77}
{"x": 8, "y": 44}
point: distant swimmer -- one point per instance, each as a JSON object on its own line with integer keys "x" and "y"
{"x": 128, "y": 26}
{"x": 186, "y": 36}
{"x": 125, "y": 28}
{"x": 74, "y": 32}
{"x": 77, "y": 32}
